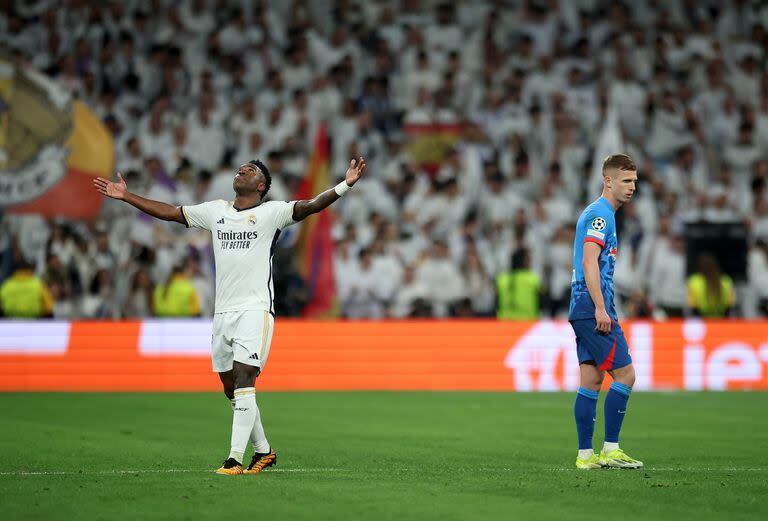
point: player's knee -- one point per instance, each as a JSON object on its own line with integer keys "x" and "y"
{"x": 593, "y": 382}
{"x": 228, "y": 383}
{"x": 244, "y": 375}
{"x": 626, "y": 376}
{"x": 229, "y": 387}
{"x": 591, "y": 377}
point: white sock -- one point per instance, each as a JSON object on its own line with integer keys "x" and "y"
{"x": 258, "y": 438}
{"x": 609, "y": 446}
{"x": 243, "y": 417}
{"x": 585, "y": 453}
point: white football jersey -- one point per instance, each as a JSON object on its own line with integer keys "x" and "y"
{"x": 243, "y": 244}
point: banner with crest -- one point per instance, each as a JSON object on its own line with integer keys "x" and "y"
{"x": 51, "y": 147}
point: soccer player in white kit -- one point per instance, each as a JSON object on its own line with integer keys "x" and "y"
{"x": 244, "y": 233}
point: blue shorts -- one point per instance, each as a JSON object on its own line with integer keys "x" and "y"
{"x": 608, "y": 352}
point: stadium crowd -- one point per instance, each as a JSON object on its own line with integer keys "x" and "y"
{"x": 191, "y": 89}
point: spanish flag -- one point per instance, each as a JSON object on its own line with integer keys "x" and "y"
{"x": 315, "y": 247}
{"x": 51, "y": 147}
{"x": 429, "y": 143}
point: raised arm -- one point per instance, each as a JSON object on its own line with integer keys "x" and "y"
{"x": 302, "y": 209}
{"x": 119, "y": 191}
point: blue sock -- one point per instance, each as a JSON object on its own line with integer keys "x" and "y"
{"x": 584, "y": 410}
{"x": 615, "y": 408}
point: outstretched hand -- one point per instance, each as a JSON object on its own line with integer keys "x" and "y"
{"x": 355, "y": 171}
{"x": 111, "y": 189}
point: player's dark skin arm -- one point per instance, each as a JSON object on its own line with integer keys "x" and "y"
{"x": 303, "y": 209}
{"x": 592, "y": 278}
{"x": 119, "y": 191}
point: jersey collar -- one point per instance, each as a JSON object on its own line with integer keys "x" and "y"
{"x": 232, "y": 205}
{"x": 607, "y": 204}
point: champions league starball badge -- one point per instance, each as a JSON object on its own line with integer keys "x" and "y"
{"x": 598, "y": 224}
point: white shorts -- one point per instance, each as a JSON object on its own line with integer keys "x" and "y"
{"x": 244, "y": 336}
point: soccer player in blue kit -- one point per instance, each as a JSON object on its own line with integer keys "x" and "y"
{"x": 600, "y": 342}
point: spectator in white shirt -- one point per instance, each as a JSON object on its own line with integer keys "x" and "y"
{"x": 757, "y": 274}
{"x": 206, "y": 138}
{"x": 442, "y": 277}
{"x": 366, "y": 289}
{"x": 410, "y": 292}
{"x": 741, "y": 155}
{"x": 666, "y": 276}
{"x": 688, "y": 175}
{"x": 479, "y": 284}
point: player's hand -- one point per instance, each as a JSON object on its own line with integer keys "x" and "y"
{"x": 603, "y": 321}
{"x": 114, "y": 190}
{"x": 355, "y": 170}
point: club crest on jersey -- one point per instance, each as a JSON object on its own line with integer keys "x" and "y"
{"x": 598, "y": 223}
{"x": 251, "y": 219}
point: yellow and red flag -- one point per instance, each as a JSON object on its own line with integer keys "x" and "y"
{"x": 51, "y": 147}
{"x": 429, "y": 143}
{"x": 315, "y": 246}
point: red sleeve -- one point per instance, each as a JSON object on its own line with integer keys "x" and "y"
{"x": 595, "y": 240}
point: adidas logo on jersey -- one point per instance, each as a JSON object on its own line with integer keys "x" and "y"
{"x": 254, "y": 356}
{"x": 220, "y": 221}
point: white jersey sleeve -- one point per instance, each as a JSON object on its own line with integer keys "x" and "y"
{"x": 201, "y": 215}
{"x": 282, "y": 213}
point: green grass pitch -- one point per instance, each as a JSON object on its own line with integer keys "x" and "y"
{"x": 396, "y": 456}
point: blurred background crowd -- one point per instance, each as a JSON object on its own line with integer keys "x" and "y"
{"x": 191, "y": 89}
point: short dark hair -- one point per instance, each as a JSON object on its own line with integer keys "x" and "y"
{"x": 519, "y": 259}
{"x": 264, "y": 170}
{"x": 619, "y": 162}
